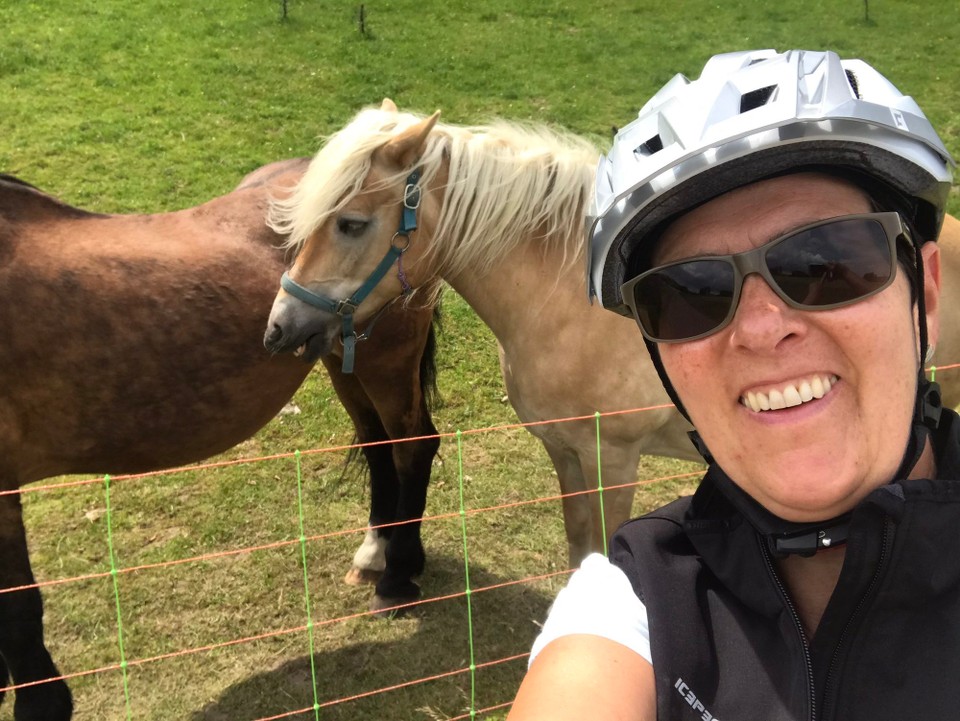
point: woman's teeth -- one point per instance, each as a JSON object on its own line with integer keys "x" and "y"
{"x": 792, "y": 394}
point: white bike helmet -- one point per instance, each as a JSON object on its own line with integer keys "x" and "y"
{"x": 753, "y": 115}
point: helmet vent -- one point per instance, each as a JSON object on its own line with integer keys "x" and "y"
{"x": 756, "y": 98}
{"x": 653, "y": 145}
{"x": 854, "y": 86}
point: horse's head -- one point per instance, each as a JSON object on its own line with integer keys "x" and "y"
{"x": 353, "y": 222}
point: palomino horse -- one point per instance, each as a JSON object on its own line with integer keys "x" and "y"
{"x": 132, "y": 343}
{"x": 948, "y": 348}
{"x": 501, "y": 218}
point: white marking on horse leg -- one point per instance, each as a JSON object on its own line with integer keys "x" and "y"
{"x": 372, "y": 554}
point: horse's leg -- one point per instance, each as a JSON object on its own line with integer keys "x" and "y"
{"x": 577, "y": 519}
{"x": 412, "y": 459}
{"x": 619, "y": 466}
{"x": 583, "y": 523}
{"x": 21, "y": 626}
{"x": 4, "y": 679}
{"x": 370, "y": 559}
{"x": 398, "y": 382}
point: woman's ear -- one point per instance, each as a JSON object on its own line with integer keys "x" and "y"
{"x": 931, "y": 290}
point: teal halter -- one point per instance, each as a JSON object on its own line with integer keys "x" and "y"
{"x": 345, "y": 308}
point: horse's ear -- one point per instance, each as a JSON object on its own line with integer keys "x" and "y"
{"x": 388, "y": 106}
{"x": 404, "y": 149}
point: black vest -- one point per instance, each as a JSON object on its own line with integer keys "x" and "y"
{"x": 728, "y": 645}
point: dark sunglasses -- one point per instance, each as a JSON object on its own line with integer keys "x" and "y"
{"x": 825, "y": 265}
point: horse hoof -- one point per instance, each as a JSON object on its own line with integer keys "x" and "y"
{"x": 53, "y": 703}
{"x": 361, "y": 577}
{"x": 393, "y": 606}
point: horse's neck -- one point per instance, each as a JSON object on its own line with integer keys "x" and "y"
{"x": 528, "y": 288}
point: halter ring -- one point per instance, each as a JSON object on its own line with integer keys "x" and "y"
{"x": 406, "y": 241}
{"x": 357, "y": 336}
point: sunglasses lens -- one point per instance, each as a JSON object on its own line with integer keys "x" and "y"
{"x": 685, "y": 300}
{"x": 828, "y": 265}
{"x": 832, "y": 264}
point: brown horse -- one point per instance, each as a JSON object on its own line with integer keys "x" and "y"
{"x": 132, "y": 343}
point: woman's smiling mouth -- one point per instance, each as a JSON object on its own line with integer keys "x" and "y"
{"x": 790, "y": 394}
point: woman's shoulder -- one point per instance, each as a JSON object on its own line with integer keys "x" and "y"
{"x": 598, "y": 600}
{"x": 664, "y": 521}
{"x": 655, "y": 544}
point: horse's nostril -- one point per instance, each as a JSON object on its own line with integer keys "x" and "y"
{"x": 273, "y": 335}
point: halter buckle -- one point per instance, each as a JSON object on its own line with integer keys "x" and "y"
{"x": 346, "y": 307}
{"x": 411, "y": 196}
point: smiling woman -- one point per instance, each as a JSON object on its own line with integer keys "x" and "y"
{"x": 770, "y": 227}
{"x": 842, "y": 445}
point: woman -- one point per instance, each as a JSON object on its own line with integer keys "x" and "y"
{"x": 769, "y": 226}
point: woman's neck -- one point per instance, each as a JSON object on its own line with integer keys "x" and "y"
{"x": 810, "y": 580}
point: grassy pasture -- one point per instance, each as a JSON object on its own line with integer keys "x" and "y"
{"x": 149, "y": 106}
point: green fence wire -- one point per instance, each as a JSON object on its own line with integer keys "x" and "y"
{"x": 116, "y": 597}
{"x": 306, "y": 586}
{"x": 466, "y": 574}
{"x": 603, "y": 512}
{"x": 473, "y": 711}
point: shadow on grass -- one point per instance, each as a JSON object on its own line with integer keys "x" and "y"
{"x": 504, "y": 622}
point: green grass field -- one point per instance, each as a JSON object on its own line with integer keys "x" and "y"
{"x": 143, "y": 107}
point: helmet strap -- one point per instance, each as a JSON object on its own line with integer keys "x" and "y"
{"x": 921, "y": 304}
{"x": 926, "y": 419}
{"x": 701, "y": 447}
{"x": 929, "y": 402}
{"x": 695, "y": 438}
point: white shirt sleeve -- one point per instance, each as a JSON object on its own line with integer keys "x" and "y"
{"x": 598, "y": 600}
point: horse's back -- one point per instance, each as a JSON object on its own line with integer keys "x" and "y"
{"x": 132, "y": 342}
{"x": 282, "y": 173}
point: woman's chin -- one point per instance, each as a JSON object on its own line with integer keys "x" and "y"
{"x": 809, "y": 491}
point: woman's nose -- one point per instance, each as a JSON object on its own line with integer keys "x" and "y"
{"x": 762, "y": 320}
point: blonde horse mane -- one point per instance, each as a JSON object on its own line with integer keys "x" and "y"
{"x": 507, "y": 183}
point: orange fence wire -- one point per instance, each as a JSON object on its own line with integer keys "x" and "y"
{"x": 341, "y": 532}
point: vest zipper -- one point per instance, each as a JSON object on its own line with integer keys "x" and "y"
{"x": 808, "y": 662}
{"x": 829, "y": 686}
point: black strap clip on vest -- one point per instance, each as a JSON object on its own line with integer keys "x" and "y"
{"x": 807, "y": 543}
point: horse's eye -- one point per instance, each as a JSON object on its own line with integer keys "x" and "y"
{"x": 351, "y": 227}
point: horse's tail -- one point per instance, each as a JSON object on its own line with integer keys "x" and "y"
{"x": 428, "y": 363}
{"x": 13, "y": 179}
{"x": 13, "y": 190}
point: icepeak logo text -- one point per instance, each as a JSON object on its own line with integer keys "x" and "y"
{"x": 691, "y": 698}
